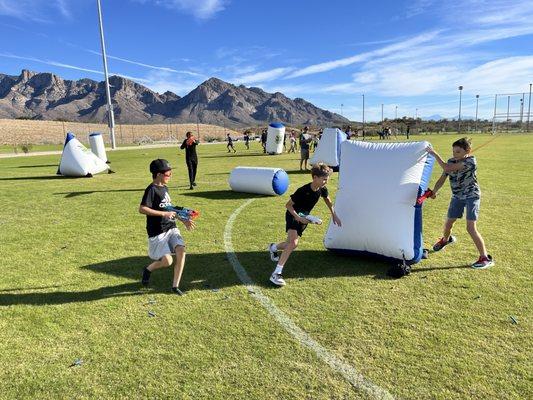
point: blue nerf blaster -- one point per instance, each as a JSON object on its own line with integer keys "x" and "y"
{"x": 185, "y": 214}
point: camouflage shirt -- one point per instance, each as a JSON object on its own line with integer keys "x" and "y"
{"x": 464, "y": 182}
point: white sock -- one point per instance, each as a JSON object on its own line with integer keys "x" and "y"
{"x": 279, "y": 269}
{"x": 274, "y": 247}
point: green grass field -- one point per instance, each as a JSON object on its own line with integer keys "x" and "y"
{"x": 73, "y": 249}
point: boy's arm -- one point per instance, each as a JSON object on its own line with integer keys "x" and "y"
{"x": 447, "y": 167}
{"x": 290, "y": 207}
{"x": 438, "y": 185}
{"x": 183, "y": 144}
{"x": 329, "y": 203}
{"x": 156, "y": 213}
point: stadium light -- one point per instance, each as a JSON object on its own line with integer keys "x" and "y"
{"x": 110, "y": 114}
{"x": 364, "y": 113}
{"x": 477, "y": 102}
{"x": 460, "y": 98}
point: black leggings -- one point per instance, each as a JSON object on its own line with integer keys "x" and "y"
{"x": 192, "y": 165}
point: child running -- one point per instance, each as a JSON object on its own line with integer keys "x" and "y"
{"x": 461, "y": 169}
{"x": 164, "y": 237}
{"x": 301, "y": 203}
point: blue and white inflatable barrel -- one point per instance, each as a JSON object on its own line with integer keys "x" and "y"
{"x": 97, "y": 146}
{"x": 275, "y": 136}
{"x": 270, "y": 181}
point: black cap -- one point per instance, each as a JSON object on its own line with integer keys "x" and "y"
{"x": 159, "y": 165}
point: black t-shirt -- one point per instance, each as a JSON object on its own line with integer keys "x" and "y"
{"x": 190, "y": 150}
{"x": 306, "y": 198}
{"x": 157, "y": 198}
{"x": 304, "y": 144}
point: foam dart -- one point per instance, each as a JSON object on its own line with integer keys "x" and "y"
{"x": 428, "y": 193}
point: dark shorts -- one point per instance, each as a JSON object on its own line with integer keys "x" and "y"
{"x": 291, "y": 223}
{"x": 457, "y": 207}
{"x": 304, "y": 154}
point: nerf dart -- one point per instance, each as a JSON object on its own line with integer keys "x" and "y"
{"x": 311, "y": 218}
{"x": 428, "y": 193}
{"x": 185, "y": 214}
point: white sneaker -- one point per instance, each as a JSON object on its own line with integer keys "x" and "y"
{"x": 277, "y": 280}
{"x": 273, "y": 254}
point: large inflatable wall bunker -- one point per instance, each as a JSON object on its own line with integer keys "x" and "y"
{"x": 329, "y": 147}
{"x": 77, "y": 160}
{"x": 379, "y": 184}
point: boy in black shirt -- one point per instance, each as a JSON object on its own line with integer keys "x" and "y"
{"x": 189, "y": 144}
{"x": 164, "y": 237}
{"x": 301, "y": 203}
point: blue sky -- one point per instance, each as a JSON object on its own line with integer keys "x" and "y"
{"x": 412, "y": 55}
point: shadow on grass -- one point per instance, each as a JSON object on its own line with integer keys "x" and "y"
{"x": 38, "y": 166}
{"x": 242, "y": 153}
{"x": 81, "y": 193}
{"x": 37, "y": 178}
{"x": 222, "y": 195}
{"x": 209, "y": 271}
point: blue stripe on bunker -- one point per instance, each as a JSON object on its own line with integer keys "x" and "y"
{"x": 276, "y": 125}
{"x": 95, "y": 134}
{"x": 417, "y": 231}
{"x": 69, "y": 137}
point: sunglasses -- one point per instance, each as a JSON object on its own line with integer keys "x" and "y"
{"x": 168, "y": 174}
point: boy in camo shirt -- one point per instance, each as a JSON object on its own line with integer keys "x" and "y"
{"x": 461, "y": 169}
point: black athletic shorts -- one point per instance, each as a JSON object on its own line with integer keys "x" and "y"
{"x": 291, "y": 223}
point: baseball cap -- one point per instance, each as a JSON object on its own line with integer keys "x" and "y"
{"x": 159, "y": 165}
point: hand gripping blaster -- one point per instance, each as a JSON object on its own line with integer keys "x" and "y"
{"x": 182, "y": 213}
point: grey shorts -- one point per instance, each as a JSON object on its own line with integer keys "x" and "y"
{"x": 457, "y": 206}
{"x": 164, "y": 243}
{"x": 304, "y": 154}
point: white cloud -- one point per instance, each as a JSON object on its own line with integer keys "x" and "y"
{"x": 68, "y": 66}
{"x": 161, "y": 81}
{"x": 167, "y": 69}
{"x": 200, "y": 9}
{"x": 263, "y": 76}
{"x": 358, "y": 58}
{"x": 35, "y": 10}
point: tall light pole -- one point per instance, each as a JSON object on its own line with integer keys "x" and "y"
{"x": 364, "y": 112}
{"x": 529, "y": 107}
{"x": 382, "y": 113}
{"x": 460, "y": 99}
{"x": 110, "y": 114}
{"x": 396, "y": 113}
{"x": 477, "y": 103}
{"x": 342, "y": 105}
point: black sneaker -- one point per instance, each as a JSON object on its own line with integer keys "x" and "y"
{"x": 175, "y": 290}
{"x": 146, "y": 277}
{"x": 442, "y": 243}
{"x": 194, "y": 183}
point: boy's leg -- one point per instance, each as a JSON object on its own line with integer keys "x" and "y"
{"x": 448, "y": 225}
{"x": 288, "y": 246}
{"x": 163, "y": 262}
{"x": 178, "y": 265}
{"x": 471, "y": 228}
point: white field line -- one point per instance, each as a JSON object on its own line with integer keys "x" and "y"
{"x": 347, "y": 371}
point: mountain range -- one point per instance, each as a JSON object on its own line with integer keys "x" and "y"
{"x": 46, "y": 96}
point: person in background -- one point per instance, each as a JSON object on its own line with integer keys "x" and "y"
{"x": 191, "y": 158}
{"x": 264, "y": 140}
{"x": 230, "y": 144}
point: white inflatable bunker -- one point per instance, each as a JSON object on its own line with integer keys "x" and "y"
{"x": 379, "y": 184}
{"x": 270, "y": 181}
{"x": 77, "y": 160}
{"x": 97, "y": 146}
{"x": 329, "y": 147}
{"x": 275, "y": 136}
